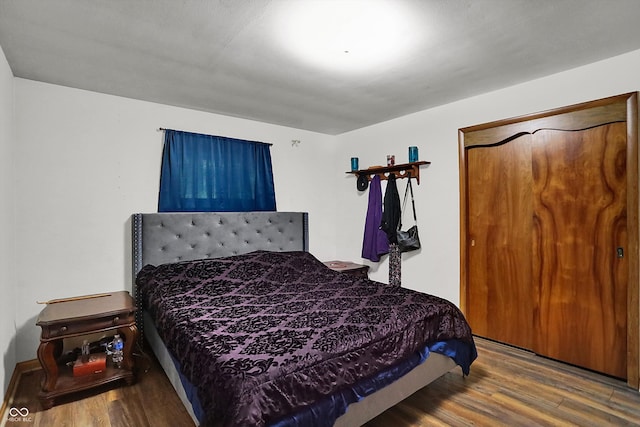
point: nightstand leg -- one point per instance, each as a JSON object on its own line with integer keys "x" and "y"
{"x": 46, "y": 355}
{"x": 46, "y": 402}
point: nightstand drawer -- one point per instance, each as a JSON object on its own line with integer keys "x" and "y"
{"x": 75, "y": 326}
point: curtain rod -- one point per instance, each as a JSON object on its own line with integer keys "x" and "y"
{"x": 259, "y": 142}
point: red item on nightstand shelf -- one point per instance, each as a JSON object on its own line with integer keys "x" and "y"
{"x": 97, "y": 363}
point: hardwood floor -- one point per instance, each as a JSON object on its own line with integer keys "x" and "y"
{"x": 506, "y": 386}
{"x": 150, "y": 402}
{"x": 512, "y": 387}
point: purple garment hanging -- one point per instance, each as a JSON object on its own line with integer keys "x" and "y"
{"x": 374, "y": 242}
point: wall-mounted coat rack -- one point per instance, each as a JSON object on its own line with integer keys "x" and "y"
{"x": 401, "y": 171}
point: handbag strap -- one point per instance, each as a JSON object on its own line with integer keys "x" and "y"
{"x": 407, "y": 190}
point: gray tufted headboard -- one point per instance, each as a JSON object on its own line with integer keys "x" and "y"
{"x": 160, "y": 238}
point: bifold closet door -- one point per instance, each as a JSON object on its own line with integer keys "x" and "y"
{"x": 500, "y": 289}
{"x": 547, "y": 242}
{"x": 550, "y": 233}
{"x": 579, "y": 245}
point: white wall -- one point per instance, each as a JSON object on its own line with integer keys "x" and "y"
{"x": 435, "y": 269}
{"x": 7, "y": 277}
{"x": 87, "y": 161}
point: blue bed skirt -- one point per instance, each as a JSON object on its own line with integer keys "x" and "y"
{"x": 325, "y": 412}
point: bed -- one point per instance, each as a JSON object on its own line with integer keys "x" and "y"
{"x": 252, "y": 329}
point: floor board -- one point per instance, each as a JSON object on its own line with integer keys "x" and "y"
{"x": 150, "y": 402}
{"x": 507, "y": 386}
{"x": 512, "y": 387}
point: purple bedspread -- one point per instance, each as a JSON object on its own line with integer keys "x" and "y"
{"x": 265, "y": 334}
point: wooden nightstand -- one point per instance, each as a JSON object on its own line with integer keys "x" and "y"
{"x": 79, "y": 316}
{"x": 348, "y": 267}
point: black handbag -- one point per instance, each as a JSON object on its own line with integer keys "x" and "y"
{"x": 408, "y": 240}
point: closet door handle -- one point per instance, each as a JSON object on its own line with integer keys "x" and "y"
{"x": 620, "y": 252}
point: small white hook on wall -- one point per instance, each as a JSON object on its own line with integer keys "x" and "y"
{"x": 295, "y": 142}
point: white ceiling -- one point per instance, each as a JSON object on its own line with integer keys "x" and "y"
{"x": 227, "y": 56}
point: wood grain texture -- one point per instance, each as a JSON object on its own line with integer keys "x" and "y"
{"x": 500, "y": 291}
{"x": 633, "y": 230}
{"x": 574, "y": 117}
{"x": 620, "y": 112}
{"x": 506, "y": 386}
{"x": 512, "y": 387}
{"x": 150, "y": 402}
{"x": 580, "y": 205}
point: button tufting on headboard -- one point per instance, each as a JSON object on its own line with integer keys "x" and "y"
{"x": 160, "y": 238}
{"x": 165, "y": 236}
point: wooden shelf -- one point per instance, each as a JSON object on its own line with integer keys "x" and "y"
{"x": 66, "y": 383}
{"x": 403, "y": 170}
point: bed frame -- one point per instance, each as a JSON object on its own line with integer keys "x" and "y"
{"x": 160, "y": 238}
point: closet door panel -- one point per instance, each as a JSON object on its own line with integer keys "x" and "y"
{"x": 583, "y": 249}
{"x": 579, "y": 206}
{"x": 499, "y": 245}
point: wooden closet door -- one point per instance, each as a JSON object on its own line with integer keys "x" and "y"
{"x": 500, "y": 246}
{"x": 571, "y": 177}
{"x": 580, "y": 204}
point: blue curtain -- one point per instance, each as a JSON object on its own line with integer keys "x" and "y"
{"x": 204, "y": 173}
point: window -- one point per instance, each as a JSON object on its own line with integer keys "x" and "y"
{"x": 205, "y": 173}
